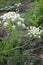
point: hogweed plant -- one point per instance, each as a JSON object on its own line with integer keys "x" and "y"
{"x": 15, "y": 19}
{"x": 35, "y": 31}
{"x": 12, "y": 49}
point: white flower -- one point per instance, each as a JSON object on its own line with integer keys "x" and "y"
{"x": 19, "y": 23}
{"x": 23, "y": 25}
{"x": 39, "y": 36}
{"x": 13, "y": 26}
{"x": 20, "y": 3}
{"x": 15, "y": 17}
{"x": 12, "y": 19}
{"x": 30, "y": 35}
{"x": 4, "y": 18}
{"x": 18, "y": 15}
{"x": 27, "y": 28}
{"x": 35, "y": 31}
{"x": 35, "y": 35}
{"x": 10, "y": 15}
{"x": 31, "y": 27}
{"x": 1, "y": 16}
{"x": 21, "y": 19}
{"x": 5, "y": 24}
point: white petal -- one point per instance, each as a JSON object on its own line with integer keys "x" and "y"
{"x": 19, "y": 23}
{"x": 5, "y": 24}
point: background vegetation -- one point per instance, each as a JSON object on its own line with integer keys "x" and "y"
{"x": 14, "y": 48}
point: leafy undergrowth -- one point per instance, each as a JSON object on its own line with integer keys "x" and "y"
{"x": 21, "y": 37}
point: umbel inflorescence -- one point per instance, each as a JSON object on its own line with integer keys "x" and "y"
{"x": 18, "y": 21}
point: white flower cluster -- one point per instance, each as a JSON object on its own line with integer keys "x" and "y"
{"x": 13, "y": 17}
{"x": 34, "y": 31}
{"x": 10, "y": 15}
